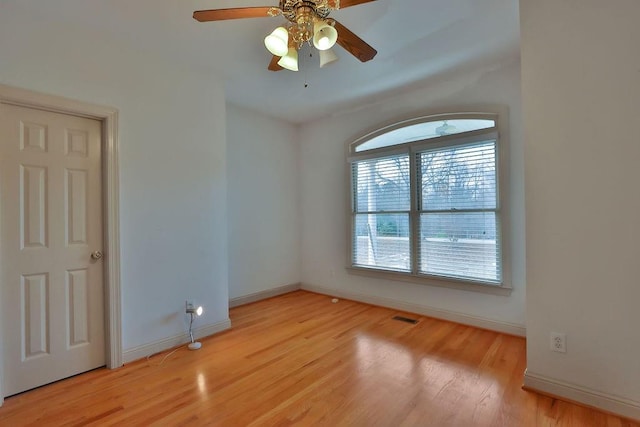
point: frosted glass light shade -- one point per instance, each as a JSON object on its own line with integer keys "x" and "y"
{"x": 277, "y": 41}
{"x": 290, "y": 60}
{"x": 324, "y": 36}
{"x": 327, "y": 57}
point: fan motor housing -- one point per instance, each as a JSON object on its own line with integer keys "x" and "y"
{"x": 292, "y": 10}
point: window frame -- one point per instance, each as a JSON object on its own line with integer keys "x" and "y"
{"x": 500, "y": 116}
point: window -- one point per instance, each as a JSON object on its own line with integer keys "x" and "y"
{"x": 426, "y": 203}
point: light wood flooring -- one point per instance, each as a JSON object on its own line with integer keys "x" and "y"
{"x": 300, "y": 360}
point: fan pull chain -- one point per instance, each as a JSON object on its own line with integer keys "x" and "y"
{"x": 306, "y": 68}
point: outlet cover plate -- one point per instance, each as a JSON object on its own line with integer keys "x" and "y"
{"x": 559, "y": 342}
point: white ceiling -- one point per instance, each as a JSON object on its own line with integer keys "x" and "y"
{"x": 415, "y": 40}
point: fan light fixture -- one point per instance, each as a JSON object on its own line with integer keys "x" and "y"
{"x": 306, "y": 28}
{"x": 325, "y": 36}
{"x": 290, "y": 60}
{"x": 277, "y": 42}
{"x": 445, "y": 129}
{"x": 327, "y": 57}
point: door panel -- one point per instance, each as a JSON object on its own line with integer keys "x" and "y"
{"x": 52, "y": 292}
{"x": 33, "y": 193}
{"x": 35, "y": 291}
{"x": 76, "y": 206}
{"x": 78, "y": 303}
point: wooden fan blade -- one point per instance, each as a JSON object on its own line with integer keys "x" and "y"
{"x": 349, "y": 3}
{"x": 234, "y": 13}
{"x": 354, "y": 44}
{"x": 273, "y": 65}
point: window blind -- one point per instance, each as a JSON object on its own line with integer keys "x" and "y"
{"x": 458, "y": 212}
{"x": 382, "y": 202}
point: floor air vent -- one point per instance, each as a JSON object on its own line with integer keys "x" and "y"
{"x": 405, "y": 319}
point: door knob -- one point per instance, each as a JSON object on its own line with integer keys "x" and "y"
{"x": 96, "y": 255}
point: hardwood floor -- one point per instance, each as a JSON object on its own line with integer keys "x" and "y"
{"x": 298, "y": 359}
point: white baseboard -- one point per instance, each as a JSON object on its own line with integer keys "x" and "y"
{"x": 465, "y": 319}
{"x": 603, "y": 401}
{"x": 258, "y": 296}
{"x": 145, "y": 350}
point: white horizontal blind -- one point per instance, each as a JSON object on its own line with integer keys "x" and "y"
{"x": 459, "y": 220}
{"x": 381, "y": 204}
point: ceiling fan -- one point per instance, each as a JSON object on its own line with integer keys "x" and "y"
{"x": 308, "y": 21}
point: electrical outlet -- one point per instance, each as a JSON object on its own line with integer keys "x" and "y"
{"x": 190, "y": 306}
{"x": 559, "y": 342}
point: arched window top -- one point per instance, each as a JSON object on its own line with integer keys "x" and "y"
{"x": 424, "y": 128}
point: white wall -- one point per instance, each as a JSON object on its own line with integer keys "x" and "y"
{"x": 263, "y": 198}
{"x": 325, "y": 195}
{"x": 581, "y": 93}
{"x": 172, "y": 163}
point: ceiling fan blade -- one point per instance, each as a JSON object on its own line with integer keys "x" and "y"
{"x": 348, "y": 3}
{"x": 354, "y": 44}
{"x": 273, "y": 65}
{"x": 235, "y": 13}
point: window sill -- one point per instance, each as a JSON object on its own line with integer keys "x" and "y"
{"x": 432, "y": 281}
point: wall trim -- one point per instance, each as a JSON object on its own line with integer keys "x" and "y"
{"x": 581, "y": 395}
{"x": 438, "y": 313}
{"x": 151, "y": 348}
{"x": 267, "y": 293}
{"x": 108, "y": 116}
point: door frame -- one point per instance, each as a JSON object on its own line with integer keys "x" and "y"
{"x": 108, "y": 117}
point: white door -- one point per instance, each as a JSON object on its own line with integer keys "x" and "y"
{"x": 51, "y": 289}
